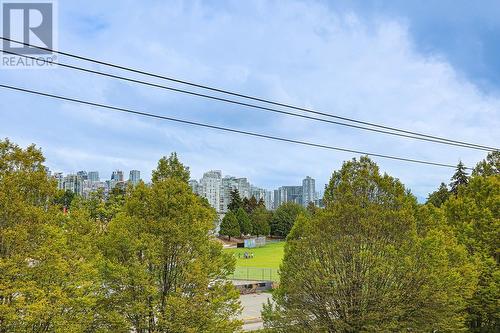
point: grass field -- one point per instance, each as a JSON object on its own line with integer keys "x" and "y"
{"x": 264, "y": 264}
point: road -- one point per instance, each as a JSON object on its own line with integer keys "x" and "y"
{"x": 252, "y": 305}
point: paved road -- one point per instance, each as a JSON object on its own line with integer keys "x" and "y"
{"x": 252, "y": 305}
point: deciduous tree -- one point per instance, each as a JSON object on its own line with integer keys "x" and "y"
{"x": 361, "y": 265}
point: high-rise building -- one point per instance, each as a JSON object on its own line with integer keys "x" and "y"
{"x": 210, "y": 186}
{"x": 93, "y": 176}
{"x": 73, "y": 183}
{"x": 117, "y": 175}
{"x": 60, "y": 180}
{"x": 308, "y": 191}
{"x": 134, "y": 177}
{"x": 83, "y": 175}
{"x": 290, "y": 194}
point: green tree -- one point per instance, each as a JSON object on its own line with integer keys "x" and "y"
{"x": 459, "y": 178}
{"x": 229, "y": 226}
{"x": 170, "y": 167}
{"x": 244, "y": 221}
{"x": 260, "y": 219}
{"x": 438, "y": 197}
{"x": 311, "y": 208}
{"x": 361, "y": 264}
{"x": 235, "y": 202}
{"x": 164, "y": 269}
{"x": 488, "y": 167}
{"x": 64, "y": 198}
{"x": 474, "y": 215}
{"x": 48, "y": 280}
{"x": 284, "y": 217}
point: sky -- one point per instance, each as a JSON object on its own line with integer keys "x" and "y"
{"x": 426, "y": 66}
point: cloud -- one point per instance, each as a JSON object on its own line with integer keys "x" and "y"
{"x": 302, "y": 53}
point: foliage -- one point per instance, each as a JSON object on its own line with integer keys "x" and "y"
{"x": 48, "y": 279}
{"x": 163, "y": 269}
{"x": 474, "y": 215}
{"x": 143, "y": 260}
{"x": 244, "y": 222}
{"x": 235, "y": 202}
{"x": 284, "y": 217}
{"x": 260, "y": 219}
{"x": 438, "y": 197}
{"x": 459, "y": 178}
{"x": 365, "y": 263}
{"x": 488, "y": 167}
{"x": 170, "y": 167}
{"x": 230, "y": 226}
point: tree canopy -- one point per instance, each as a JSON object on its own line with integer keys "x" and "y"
{"x": 170, "y": 167}
{"x": 141, "y": 260}
{"x": 230, "y": 226}
{"x": 363, "y": 265}
{"x": 284, "y": 217}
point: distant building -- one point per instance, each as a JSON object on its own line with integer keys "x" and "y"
{"x": 93, "y": 176}
{"x": 308, "y": 191}
{"x": 82, "y": 174}
{"x": 134, "y": 177}
{"x": 117, "y": 175}
{"x": 210, "y": 188}
{"x": 288, "y": 194}
{"x": 73, "y": 183}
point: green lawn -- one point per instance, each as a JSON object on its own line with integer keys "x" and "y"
{"x": 264, "y": 264}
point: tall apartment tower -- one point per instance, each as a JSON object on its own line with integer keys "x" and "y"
{"x": 308, "y": 191}
{"x": 210, "y": 188}
{"x": 93, "y": 176}
{"x": 117, "y": 175}
{"x": 134, "y": 177}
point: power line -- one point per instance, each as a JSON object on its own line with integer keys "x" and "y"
{"x": 239, "y": 103}
{"x": 226, "y": 129}
{"x": 434, "y": 138}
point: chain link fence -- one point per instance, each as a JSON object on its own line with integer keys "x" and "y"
{"x": 255, "y": 273}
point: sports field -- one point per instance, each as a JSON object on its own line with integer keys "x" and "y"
{"x": 263, "y": 266}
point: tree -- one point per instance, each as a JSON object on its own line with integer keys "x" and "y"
{"x": 260, "y": 222}
{"x": 474, "y": 216}
{"x": 235, "y": 202}
{"x": 311, "y": 208}
{"x": 249, "y": 204}
{"x": 284, "y": 217}
{"x": 488, "y": 167}
{"x": 170, "y": 167}
{"x": 438, "y": 197}
{"x": 48, "y": 280}
{"x": 243, "y": 221}
{"x": 460, "y": 178}
{"x": 164, "y": 270}
{"x": 361, "y": 264}
{"x": 229, "y": 226}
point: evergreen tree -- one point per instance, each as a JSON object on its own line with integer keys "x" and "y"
{"x": 235, "y": 201}
{"x": 438, "y": 197}
{"x": 260, "y": 218}
{"x": 229, "y": 226}
{"x": 284, "y": 217}
{"x": 460, "y": 178}
{"x": 244, "y": 221}
{"x": 261, "y": 203}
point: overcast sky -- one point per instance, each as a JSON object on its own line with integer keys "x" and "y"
{"x": 427, "y": 66}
